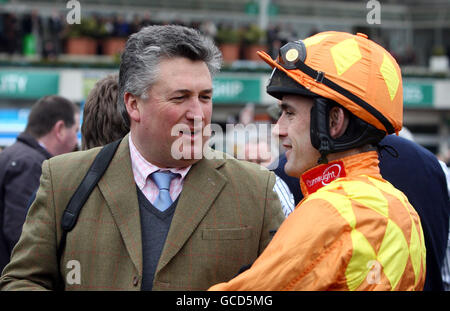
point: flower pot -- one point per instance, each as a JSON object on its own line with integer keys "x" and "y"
{"x": 81, "y": 46}
{"x": 230, "y": 52}
{"x": 250, "y": 51}
{"x": 113, "y": 46}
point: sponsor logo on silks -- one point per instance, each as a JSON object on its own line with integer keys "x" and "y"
{"x": 322, "y": 175}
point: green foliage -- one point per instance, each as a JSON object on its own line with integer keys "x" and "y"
{"x": 253, "y": 35}
{"x": 227, "y": 35}
{"x": 88, "y": 27}
{"x": 438, "y": 50}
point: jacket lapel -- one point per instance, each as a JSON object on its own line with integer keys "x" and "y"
{"x": 119, "y": 190}
{"x": 201, "y": 187}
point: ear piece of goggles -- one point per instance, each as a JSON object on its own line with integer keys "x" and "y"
{"x": 291, "y": 53}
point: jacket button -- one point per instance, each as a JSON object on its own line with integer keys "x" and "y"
{"x": 135, "y": 280}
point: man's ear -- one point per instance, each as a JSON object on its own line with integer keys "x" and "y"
{"x": 59, "y": 129}
{"x": 338, "y": 121}
{"x": 131, "y": 103}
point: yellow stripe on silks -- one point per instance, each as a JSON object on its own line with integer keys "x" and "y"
{"x": 345, "y": 54}
{"x": 390, "y": 76}
{"x": 315, "y": 39}
{"x": 415, "y": 252}
{"x": 393, "y": 253}
{"x": 376, "y": 201}
{"x": 416, "y": 244}
{"x": 359, "y": 265}
{"x": 340, "y": 202}
{"x": 363, "y": 253}
{"x": 389, "y": 188}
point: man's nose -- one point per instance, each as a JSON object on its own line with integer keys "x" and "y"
{"x": 279, "y": 130}
{"x": 195, "y": 111}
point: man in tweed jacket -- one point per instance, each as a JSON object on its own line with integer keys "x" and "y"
{"x": 224, "y": 211}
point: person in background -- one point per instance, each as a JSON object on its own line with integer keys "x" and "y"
{"x": 102, "y": 121}
{"x": 51, "y": 130}
{"x": 353, "y": 230}
{"x": 445, "y": 270}
{"x": 259, "y": 153}
{"x": 446, "y": 267}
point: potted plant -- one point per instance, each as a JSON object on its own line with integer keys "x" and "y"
{"x": 228, "y": 40}
{"x": 113, "y": 43}
{"x": 253, "y": 39}
{"x": 82, "y": 38}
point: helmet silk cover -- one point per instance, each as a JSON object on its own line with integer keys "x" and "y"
{"x": 351, "y": 70}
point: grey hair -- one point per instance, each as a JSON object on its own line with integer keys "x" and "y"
{"x": 145, "y": 49}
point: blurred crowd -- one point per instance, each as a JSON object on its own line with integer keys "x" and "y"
{"x": 46, "y": 36}
{"x": 31, "y": 33}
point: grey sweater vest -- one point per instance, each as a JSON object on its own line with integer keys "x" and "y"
{"x": 154, "y": 227}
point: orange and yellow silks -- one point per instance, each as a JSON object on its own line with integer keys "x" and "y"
{"x": 354, "y": 231}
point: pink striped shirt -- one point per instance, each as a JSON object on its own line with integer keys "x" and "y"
{"x": 142, "y": 170}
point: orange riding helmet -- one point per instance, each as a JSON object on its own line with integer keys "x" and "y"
{"x": 350, "y": 70}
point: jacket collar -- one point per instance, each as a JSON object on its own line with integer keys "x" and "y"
{"x": 201, "y": 187}
{"x": 359, "y": 164}
{"x": 29, "y": 140}
{"x": 119, "y": 190}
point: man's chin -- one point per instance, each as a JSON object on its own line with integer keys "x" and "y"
{"x": 192, "y": 154}
{"x": 188, "y": 153}
{"x": 291, "y": 172}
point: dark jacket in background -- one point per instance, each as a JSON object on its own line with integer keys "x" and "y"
{"x": 417, "y": 173}
{"x": 20, "y": 170}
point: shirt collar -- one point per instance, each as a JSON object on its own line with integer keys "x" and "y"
{"x": 359, "y": 164}
{"x": 42, "y": 144}
{"x": 142, "y": 168}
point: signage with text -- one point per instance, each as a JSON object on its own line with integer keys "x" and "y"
{"x": 236, "y": 90}
{"x": 28, "y": 85}
{"x": 418, "y": 94}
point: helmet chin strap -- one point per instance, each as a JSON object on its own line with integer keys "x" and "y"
{"x": 322, "y": 159}
{"x": 357, "y": 134}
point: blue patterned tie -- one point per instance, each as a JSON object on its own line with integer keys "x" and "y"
{"x": 162, "y": 180}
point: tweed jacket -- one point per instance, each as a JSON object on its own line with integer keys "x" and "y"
{"x": 225, "y": 217}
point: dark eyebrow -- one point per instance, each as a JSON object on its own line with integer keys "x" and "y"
{"x": 207, "y": 91}
{"x": 285, "y": 106}
{"x": 186, "y": 91}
